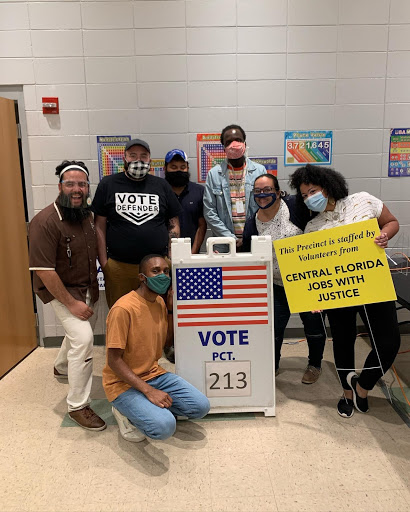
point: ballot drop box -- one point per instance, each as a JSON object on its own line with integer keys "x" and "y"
{"x": 223, "y": 323}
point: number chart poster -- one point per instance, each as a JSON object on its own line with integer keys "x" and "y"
{"x": 308, "y": 147}
{"x": 110, "y": 151}
{"x": 399, "y": 157}
{"x": 223, "y": 331}
{"x": 333, "y": 268}
{"x": 209, "y": 152}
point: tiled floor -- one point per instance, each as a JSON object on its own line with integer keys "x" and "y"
{"x": 307, "y": 458}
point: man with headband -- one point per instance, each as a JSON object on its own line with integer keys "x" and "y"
{"x": 63, "y": 252}
{"x": 228, "y": 199}
{"x": 135, "y": 214}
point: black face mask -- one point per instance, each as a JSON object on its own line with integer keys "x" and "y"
{"x": 177, "y": 178}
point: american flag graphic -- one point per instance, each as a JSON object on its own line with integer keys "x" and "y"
{"x": 222, "y": 296}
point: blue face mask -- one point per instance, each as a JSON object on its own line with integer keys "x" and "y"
{"x": 317, "y": 202}
{"x": 261, "y": 196}
{"x": 159, "y": 283}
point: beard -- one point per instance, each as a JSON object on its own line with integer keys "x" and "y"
{"x": 72, "y": 213}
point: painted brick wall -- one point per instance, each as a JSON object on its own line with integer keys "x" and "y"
{"x": 165, "y": 70}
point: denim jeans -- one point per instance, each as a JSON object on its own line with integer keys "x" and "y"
{"x": 155, "y": 422}
{"x": 312, "y": 323}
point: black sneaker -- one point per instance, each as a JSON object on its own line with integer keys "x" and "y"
{"x": 360, "y": 403}
{"x": 345, "y": 407}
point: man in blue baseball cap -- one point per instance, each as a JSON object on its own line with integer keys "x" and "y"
{"x": 190, "y": 196}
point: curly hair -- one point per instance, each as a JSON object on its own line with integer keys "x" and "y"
{"x": 232, "y": 127}
{"x": 66, "y": 163}
{"x": 330, "y": 180}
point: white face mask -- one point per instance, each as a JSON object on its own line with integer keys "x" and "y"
{"x": 138, "y": 169}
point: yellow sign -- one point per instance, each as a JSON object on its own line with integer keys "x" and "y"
{"x": 335, "y": 268}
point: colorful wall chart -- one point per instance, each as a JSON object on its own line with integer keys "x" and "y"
{"x": 308, "y": 147}
{"x": 209, "y": 152}
{"x": 399, "y": 157}
{"x": 110, "y": 151}
{"x": 269, "y": 162}
{"x": 157, "y": 167}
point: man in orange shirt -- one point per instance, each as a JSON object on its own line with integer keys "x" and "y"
{"x": 145, "y": 397}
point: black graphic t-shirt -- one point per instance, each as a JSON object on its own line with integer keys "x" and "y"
{"x": 137, "y": 215}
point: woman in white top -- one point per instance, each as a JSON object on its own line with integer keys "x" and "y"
{"x": 325, "y": 191}
{"x": 279, "y": 216}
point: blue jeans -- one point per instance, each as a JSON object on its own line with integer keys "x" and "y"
{"x": 155, "y": 422}
{"x": 312, "y": 323}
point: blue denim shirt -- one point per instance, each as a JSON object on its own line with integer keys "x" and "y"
{"x": 217, "y": 197}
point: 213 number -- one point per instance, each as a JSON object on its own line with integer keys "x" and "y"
{"x": 242, "y": 380}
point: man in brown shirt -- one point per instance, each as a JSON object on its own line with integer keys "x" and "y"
{"x": 145, "y": 397}
{"x": 63, "y": 251}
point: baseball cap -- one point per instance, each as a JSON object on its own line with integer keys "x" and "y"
{"x": 137, "y": 142}
{"x": 173, "y": 153}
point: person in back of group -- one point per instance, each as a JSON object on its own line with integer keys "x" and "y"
{"x": 135, "y": 214}
{"x": 63, "y": 254}
{"x": 325, "y": 192}
{"x": 279, "y": 216}
{"x": 190, "y": 196}
{"x": 145, "y": 398}
{"x": 228, "y": 199}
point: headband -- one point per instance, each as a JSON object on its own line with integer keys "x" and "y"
{"x": 78, "y": 167}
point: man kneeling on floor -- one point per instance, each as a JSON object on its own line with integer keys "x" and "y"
{"x": 145, "y": 397}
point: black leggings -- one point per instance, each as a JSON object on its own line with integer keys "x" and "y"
{"x": 385, "y": 329}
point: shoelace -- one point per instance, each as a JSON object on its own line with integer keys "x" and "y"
{"x": 89, "y": 413}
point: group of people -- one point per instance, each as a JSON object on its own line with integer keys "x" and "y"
{"x": 129, "y": 226}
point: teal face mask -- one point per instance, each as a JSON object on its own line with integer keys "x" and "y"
{"x": 159, "y": 283}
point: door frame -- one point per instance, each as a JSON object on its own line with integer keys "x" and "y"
{"x": 15, "y": 92}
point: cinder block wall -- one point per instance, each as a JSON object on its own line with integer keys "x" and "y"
{"x": 165, "y": 70}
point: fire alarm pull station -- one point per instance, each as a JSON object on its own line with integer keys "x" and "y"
{"x": 50, "y": 105}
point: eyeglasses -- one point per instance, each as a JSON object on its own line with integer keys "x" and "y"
{"x": 72, "y": 184}
{"x": 266, "y": 190}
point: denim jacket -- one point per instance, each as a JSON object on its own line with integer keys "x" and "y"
{"x": 217, "y": 197}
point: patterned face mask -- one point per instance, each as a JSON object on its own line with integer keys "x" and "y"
{"x": 235, "y": 150}
{"x": 138, "y": 169}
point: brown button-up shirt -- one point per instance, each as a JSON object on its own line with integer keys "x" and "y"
{"x": 52, "y": 239}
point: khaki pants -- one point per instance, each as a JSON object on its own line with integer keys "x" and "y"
{"x": 120, "y": 279}
{"x": 75, "y": 357}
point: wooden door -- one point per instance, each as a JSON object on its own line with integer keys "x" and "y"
{"x": 17, "y": 324}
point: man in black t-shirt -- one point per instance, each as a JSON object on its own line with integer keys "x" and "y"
{"x": 136, "y": 214}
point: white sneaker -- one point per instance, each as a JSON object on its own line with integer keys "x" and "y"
{"x": 127, "y": 430}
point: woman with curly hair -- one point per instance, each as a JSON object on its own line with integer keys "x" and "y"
{"x": 281, "y": 217}
{"x": 324, "y": 191}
